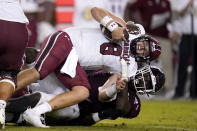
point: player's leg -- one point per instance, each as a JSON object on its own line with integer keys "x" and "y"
{"x": 79, "y": 90}
{"x": 6, "y": 89}
{"x": 12, "y": 46}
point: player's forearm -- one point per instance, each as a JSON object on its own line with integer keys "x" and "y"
{"x": 99, "y": 14}
{"x": 117, "y": 19}
{"x": 108, "y": 90}
{"x": 103, "y": 97}
{"x": 127, "y": 14}
{"x": 122, "y": 102}
{"x": 26, "y": 77}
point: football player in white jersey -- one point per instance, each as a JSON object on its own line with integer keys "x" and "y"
{"x": 64, "y": 51}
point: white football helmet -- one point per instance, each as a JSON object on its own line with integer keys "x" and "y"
{"x": 148, "y": 80}
{"x": 154, "y": 45}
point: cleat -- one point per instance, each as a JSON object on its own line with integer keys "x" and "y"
{"x": 33, "y": 118}
{"x": 2, "y": 117}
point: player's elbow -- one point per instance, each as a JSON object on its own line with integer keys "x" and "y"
{"x": 94, "y": 10}
{"x": 84, "y": 93}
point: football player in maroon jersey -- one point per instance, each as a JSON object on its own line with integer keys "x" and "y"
{"x": 123, "y": 102}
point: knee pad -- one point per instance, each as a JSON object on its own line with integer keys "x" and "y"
{"x": 9, "y": 77}
{"x": 9, "y": 81}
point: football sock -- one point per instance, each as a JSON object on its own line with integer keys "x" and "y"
{"x": 2, "y": 103}
{"x": 42, "y": 108}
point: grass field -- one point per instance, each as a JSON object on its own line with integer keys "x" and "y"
{"x": 155, "y": 115}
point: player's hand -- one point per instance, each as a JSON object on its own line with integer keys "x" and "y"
{"x": 120, "y": 83}
{"x": 118, "y": 35}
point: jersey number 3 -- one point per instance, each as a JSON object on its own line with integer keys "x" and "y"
{"x": 110, "y": 49}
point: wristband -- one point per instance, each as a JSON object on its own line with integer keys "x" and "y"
{"x": 3, "y": 103}
{"x": 111, "y": 91}
{"x": 106, "y": 20}
{"x": 112, "y": 26}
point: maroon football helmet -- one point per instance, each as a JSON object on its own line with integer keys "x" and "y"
{"x": 148, "y": 80}
{"x": 154, "y": 47}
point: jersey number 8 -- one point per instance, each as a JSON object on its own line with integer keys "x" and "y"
{"x": 110, "y": 49}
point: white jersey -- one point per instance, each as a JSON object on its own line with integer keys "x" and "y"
{"x": 10, "y": 10}
{"x": 96, "y": 52}
{"x": 50, "y": 85}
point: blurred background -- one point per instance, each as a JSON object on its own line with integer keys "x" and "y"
{"x": 172, "y": 23}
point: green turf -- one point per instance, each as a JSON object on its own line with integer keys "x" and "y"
{"x": 154, "y": 116}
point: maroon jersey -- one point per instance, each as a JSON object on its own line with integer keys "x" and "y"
{"x": 53, "y": 54}
{"x": 94, "y": 105}
{"x": 153, "y": 12}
